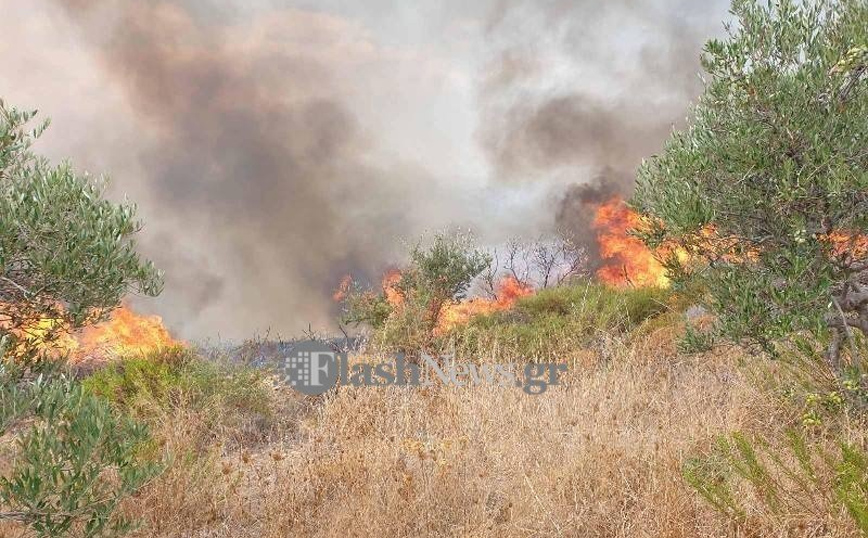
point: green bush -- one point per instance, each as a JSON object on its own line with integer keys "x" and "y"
{"x": 169, "y": 379}
{"x": 75, "y": 457}
{"x": 557, "y": 321}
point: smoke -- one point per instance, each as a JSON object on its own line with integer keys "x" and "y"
{"x": 577, "y": 206}
{"x": 263, "y": 185}
{"x": 579, "y": 92}
{"x": 274, "y": 149}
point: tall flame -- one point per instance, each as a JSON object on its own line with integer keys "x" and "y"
{"x": 626, "y": 259}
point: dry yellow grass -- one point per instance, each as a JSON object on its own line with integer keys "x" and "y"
{"x": 599, "y": 456}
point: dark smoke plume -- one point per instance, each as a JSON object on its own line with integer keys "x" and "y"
{"x": 629, "y": 91}
{"x": 252, "y": 135}
{"x": 254, "y": 148}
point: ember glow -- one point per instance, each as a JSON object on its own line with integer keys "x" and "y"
{"x": 626, "y": 260}
{"x": 847, "y": 245}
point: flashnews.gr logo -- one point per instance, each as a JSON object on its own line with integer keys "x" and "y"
{"x": 310, "y": 368}
{"x": 313, "y": 368}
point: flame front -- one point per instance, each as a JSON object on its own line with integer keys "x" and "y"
{"x": 626, "y": 259}
{"x": 509, "y": 290}
{"x": 124, "y": 333}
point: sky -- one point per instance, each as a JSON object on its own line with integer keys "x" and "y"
{"x": 274, "y": 146}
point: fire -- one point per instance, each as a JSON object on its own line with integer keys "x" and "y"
{"x": 390, "y": 287}
{"x": 847, "y": 245}
{"x": 124, "y": 333}
{"x": 626, "y": 260}
{"x": 343, "y": 289}
{"x": 509, "y": 290}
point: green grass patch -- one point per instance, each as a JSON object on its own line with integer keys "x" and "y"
{"x": 178, "y": 377}
{"x": 556, "y": 321}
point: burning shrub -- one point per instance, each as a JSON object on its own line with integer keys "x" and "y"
{"x": 66, "y": 255}
{"x": 767, "y": 190}
{"x": 66, "y": 260}
{"x": 412, "y": 302}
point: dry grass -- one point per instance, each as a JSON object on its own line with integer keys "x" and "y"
{"x": 599, "y": 456}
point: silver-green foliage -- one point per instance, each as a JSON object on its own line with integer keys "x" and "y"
{"x": 66, "y": 253}
{"x": 75, "y": 457}
{"x": 773, "y": 163}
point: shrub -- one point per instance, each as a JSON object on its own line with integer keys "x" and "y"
{"x": 766, "y": 189}
{"x": 799, "y": 481}
{"x": 151, "y": 387}
{"x": 408, "y": 309}
{"x": 66, "y": 254}
{"x": 555, "y": 322}
{"x": 76, "y": 457}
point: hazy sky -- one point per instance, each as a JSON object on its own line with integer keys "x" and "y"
{"x": 273, "y": 146}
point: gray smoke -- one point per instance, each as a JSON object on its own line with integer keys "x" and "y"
{"x": 267, "y": 142}
{"x": 256, "y": 148}
{"x": 634, "y": 69}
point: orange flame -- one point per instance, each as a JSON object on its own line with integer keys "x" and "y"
{"x": 124, "y": 333}
{"x": 626, "y": 259}
{"x": 509, "y": 290}
{"x": 390, "y": 287}
{"x": 343, "y": 289}
{"x": 847, "y": 245}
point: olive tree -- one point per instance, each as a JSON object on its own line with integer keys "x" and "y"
{"x": 66, "y": 253}
{"x": 763, "y": 198}
{"x": 66, "y": 259}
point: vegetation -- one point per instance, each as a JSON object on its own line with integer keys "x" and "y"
{"x": 766, "y": 190}
{"x": 806, "y": 479}
{"x": 66, "y": 260}
{"x": 554, "y": 322}
{"x": 147, "y": 387}
{"x": 760, "y": 210}
{"x": 761, "y": 203}
{"x": 409, "y": 307}
{"x": 66, "y": 254}
{"x": 76, "y": 457}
